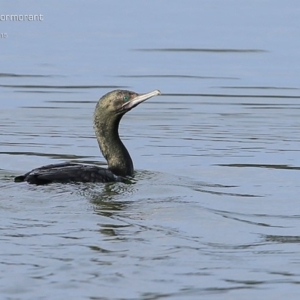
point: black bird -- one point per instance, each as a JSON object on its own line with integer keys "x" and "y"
{"x": 108, "y": 113}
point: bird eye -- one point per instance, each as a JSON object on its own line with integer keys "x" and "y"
{"x": 126, "y": 98}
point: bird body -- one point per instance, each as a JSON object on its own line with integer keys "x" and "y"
{"x": 108, "y": 113}
{"x": 66, "y": 173}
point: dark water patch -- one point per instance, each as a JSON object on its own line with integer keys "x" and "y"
{"x": 176, "y": 76}
{"x": 214, "y": 185}
{"x": 109, "y": 198}
{"x": 214, "y": 188}
{"x": 283, "y": 239}
{"x": 257, "y": 88}
{"x": 234, "y": 247}
{"x": 70, "y": 102}
{"x": 281, "y": 167}
{"x": 268, "y": 105}
{"x": 49, "y": 155}
{"x": 249, "y": 222}
{"x": 256, "y": 282}
{"x": 47, "y": 92}
{"x": 27, "y": 75}
{"x": 225, "y": 193}
{"x": 283, "y": 273}
{"x": 187, "y": 292}
{"x": 229, "y": 95}
{"x": 265, "y": 106}
{"x": 49, "y": 107}
{"x": 63, "y": 86}
{"x": 244, "y": 217}
{"x": 209, "y": 50}
{"x": 101, "y": 250}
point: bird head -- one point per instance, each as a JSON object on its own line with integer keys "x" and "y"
{"x": 119, "y": 102}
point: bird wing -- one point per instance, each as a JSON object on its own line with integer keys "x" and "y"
{"x": 67, "y": 172}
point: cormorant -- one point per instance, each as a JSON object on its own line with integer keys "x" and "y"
{"x": 108, "y": 113}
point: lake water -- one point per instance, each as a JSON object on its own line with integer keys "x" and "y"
{"x": 213, "y": 211}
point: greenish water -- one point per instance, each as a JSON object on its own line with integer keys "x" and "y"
{"x": 213, "y": 210}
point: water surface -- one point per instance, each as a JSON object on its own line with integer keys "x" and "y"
{"x": 213, "y": 209}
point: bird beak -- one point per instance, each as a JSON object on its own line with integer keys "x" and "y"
{"x": 139, "y": 99}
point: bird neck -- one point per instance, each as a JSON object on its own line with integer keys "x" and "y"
{"x": 111, "y": 146}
